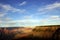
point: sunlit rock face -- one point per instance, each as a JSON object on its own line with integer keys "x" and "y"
{"x": 24, "y": 32}
{"x": 44, "y": 31}
{"x": 38, "y": 31}
{"x": 18, "y": 29}
{"x": 16, "y": 32}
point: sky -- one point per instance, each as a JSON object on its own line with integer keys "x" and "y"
{"x": 14, "y": 13}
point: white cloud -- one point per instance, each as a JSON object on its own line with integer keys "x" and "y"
{"x": 18, "y": 10}
{"x": 0, "y": 21}
{"x": 49, "y": 7}
{"x": 55, "y": 17}
{"x": 6, "y": 21}
{"x": 43, "y": 20}
{"x": 7, "y": 8}
{"x": 2, "y": 14}
{"x": 23, "y": 3}
{"x": 25, "y": 21}
{"x": 20, "y": 23}
{"x": 31, "y": 22}
{"x": 28, "y": 16}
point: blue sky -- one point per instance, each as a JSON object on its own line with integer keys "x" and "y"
{"x": 29, "y": 12}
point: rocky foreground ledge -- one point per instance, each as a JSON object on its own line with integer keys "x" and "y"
{"x": 38, "y": 33}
